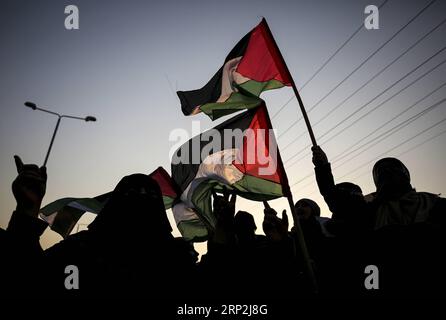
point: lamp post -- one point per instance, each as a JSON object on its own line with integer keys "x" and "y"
{"x": 33, "y": 106}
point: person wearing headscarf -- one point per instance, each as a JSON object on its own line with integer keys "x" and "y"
{"x": 350, "y": 213}
{"x": 308, "y": 213}
{"x": 397, "y": 202}
{"x": 409, "y": 233}
{"x": 127, "y": 251}
{"x": 245, "y": 228}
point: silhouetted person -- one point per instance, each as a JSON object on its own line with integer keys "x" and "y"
{"x": 127, "y": 251}
{"x": 241, "y": 264}
{"x": 350, "y": 214}
{"x": 397, "y": 203}
{"x": 21, "y": 266}
{"x": 342, "y": 258}
{"x": 218, "y": 265}
{"x": 349, "y": 211}
{"x": 308, "y": 213}
{"x": 245, "y": 228}
{"x": 399, "y": 230}
{"x": 409, "y": 237}
{"x": 282, "y": 257}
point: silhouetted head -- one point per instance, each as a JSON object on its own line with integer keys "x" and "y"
{"x": 349, "y": 188}
{"x": 306, "y": 208}
{"x": 391, "y": 177}
{"x": 245, "y": 226}
{"x": 135, "y": 209}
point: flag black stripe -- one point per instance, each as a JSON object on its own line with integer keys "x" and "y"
{"x": 212, "y": 90}
{"x": 184, "y": 173}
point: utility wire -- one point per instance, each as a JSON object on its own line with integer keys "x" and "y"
{"x": 395, "y": 147}
{"x": 325, "y": 63}
{"x": 392, "y": 131}
{"x": 389, "y": 150}
{"x": 374, "y": 98}
{"x": 344, "y": 153}
{"x": 362, "y": 63}
{"x": 366, "y": 83}
{"x": 383, "y": 136}
{"x": 407, "y": 151}
{"x": 385, "y": 101}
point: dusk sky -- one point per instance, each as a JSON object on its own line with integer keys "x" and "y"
{"x": 127, "y": 59}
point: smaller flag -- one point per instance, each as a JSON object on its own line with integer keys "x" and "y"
{"x": 191, "y": 227}
{"x": 254, "y": 65}
{"x": 250, "y": 164}
{"x": 63, "y": 214}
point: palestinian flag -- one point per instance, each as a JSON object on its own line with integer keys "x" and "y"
{"x": 253, "y": 66}
{"x": 63, "y": 214}
{"x": 168, "y": 189}
{"x": 241, "y": 154}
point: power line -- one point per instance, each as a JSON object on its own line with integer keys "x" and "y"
{"x": 307, "y": 185}
{"x": 303, "y": 179}
{"x": 392, "y": 131}
{"x": 421, "y": 143}
{"x": 395, "y": 147}
{"x": 385, "y": 101}
{"x": 397, "y": 156}
{"x": 377, "y": 96}
{"x": 325, "y": 63}
{"x": 362, "y": 63}
{"x": 408, "y": 150}
{"x": 336, "y": 52}
{"x": 344, "y": 153}
{"x": 283, "y": 106}
{"x": 366, "y": 83}
{"x": 373, "y": 54}
{"x": 362, "y": 117}
{"x": 385, "y": 135}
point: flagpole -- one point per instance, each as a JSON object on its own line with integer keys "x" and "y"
{"x": 299, "y": 234}
{"x": 300, "y": 237}
{"x": 293, "y": 84}
{"x": 302, "y": 245}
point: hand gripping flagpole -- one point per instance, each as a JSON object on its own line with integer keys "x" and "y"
{"x": 300, "y": 237}
{"x": 35, "y": 107}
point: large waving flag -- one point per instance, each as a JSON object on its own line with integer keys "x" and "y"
{"x": 251, "y": 165}
{"x": 253, "y": 66}
{"x": 63, "y": 214}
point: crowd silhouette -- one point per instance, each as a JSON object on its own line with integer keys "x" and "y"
{"x": 129, "y": 249}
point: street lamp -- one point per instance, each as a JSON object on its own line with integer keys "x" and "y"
{"x": 33, "y": 106}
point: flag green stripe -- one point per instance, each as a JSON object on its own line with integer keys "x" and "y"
{"x": 92, "y": 204}
{"x": 235, "y": 102}
{"x": 254, "y": 188}
{"x": 193, "y": 230}
{"x": 201, "y": 199}
{"x": 247, "y": 98}
{"x": 248, "y": 187}
{"x": 256, "y": 87}
{"x": 168, "y": 201}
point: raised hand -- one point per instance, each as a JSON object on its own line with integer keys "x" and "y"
{"x": 275, "y": 229}
{"x": 224, "y": 211}
{"x": 319, "y": 156}
{"x": 29, "y": 187}
{"x": 224, "y": 206}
